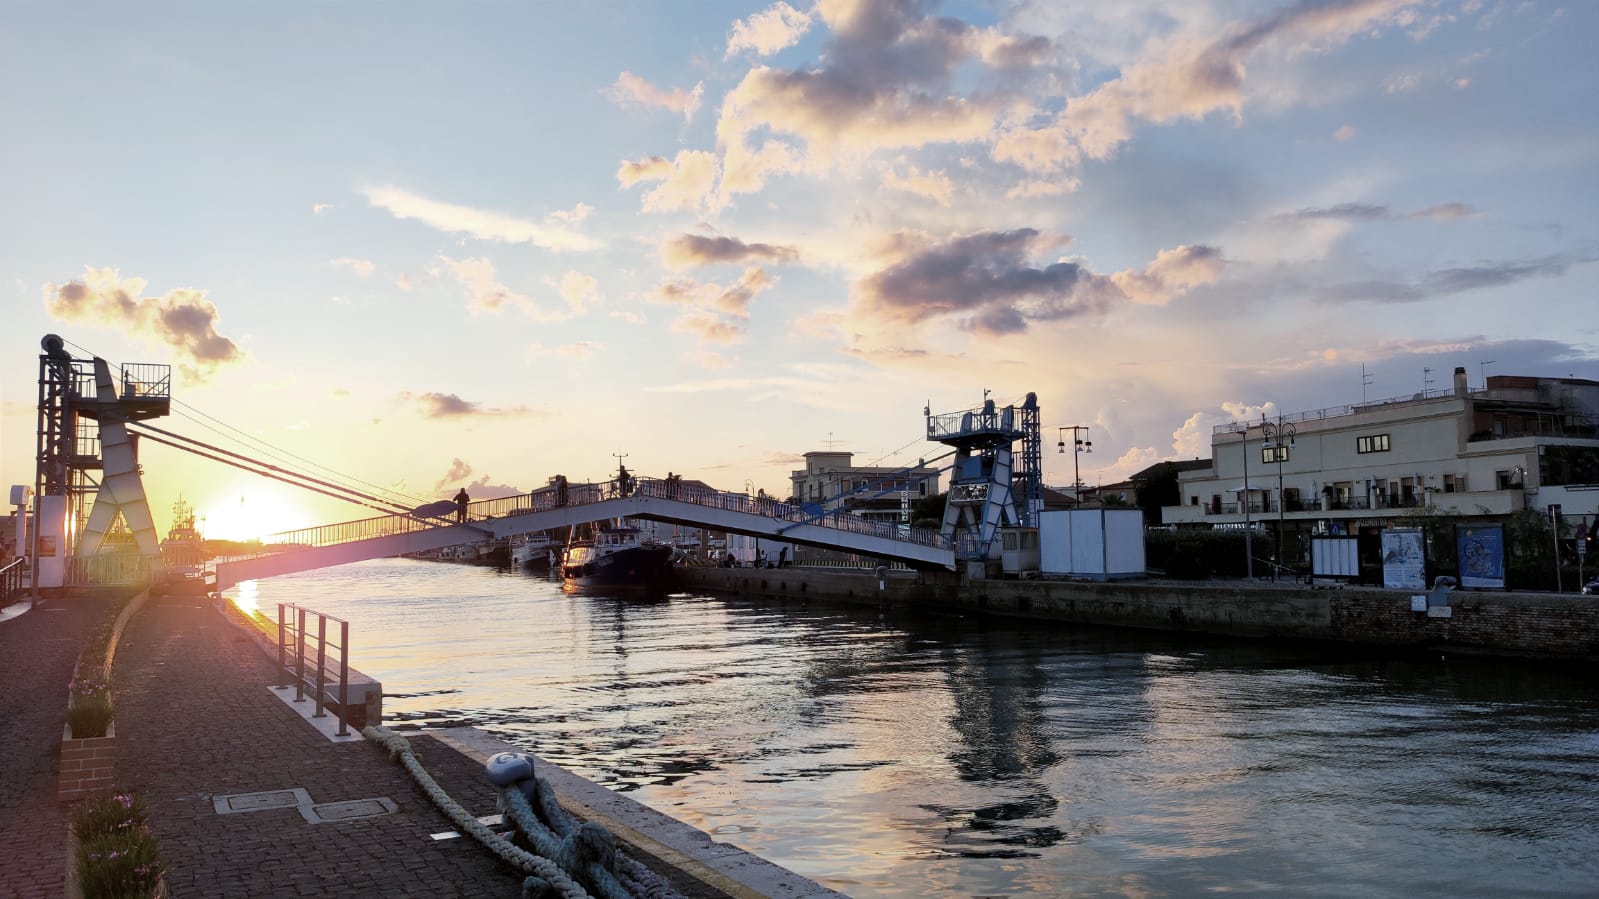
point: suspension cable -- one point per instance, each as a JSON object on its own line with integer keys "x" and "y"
{"x": 272, "y": 471}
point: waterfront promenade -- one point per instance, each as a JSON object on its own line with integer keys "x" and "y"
{"x": 196, "y": 723}
{"x": 38, "y": 649}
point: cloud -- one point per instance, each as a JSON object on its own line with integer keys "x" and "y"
{"x": 479, "y": 223}
{"x": 934, "y": 185}
{"x": 631, "y": 90}
{"x": 576, "y": 215}
{"x": 987, "y": 280}
{"x": 686, "y": 250}
{"x": 1346, "y": 133}
{"x": 448, "y": 405}
{"x": 362, "y": 267}
{"x": 482, "y": 489}
{"x": 1171, "y": 273}
{"x": 485, "y": 293}
{"x": 1368, "y": 212}
{"x": 1183, "y": 78}
{"x": 319, "y": 208}
{"x": 687, "y": 181}
{"x": 886, "y": 79}
{"x": 579, "y": 290}
{"x": 716, "y": 314}
{"x": 1451, "y": 280}
{"x": 583, "y": 349}
{"x": 766, "y": 32}
{"x": 459, "y": 471}
{"x": 183, "y": 320}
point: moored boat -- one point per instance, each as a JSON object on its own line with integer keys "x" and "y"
{"x": 183, "y": 554}
{"x": 534, "y": 551}
{"x": 617, "y": 557}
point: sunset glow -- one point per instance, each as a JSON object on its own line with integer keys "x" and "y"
{"x": 478, "y": 245}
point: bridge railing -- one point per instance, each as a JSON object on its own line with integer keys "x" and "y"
{"x": 547, "y": 498}
{"x": 13, "y": 581}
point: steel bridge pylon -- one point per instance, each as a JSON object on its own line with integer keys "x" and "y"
{"x": 981, "y": 493}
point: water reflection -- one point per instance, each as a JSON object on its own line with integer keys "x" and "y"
{"x": 908, "y": 755}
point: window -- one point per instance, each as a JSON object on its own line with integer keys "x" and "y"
{"x": 1449, "y": 483}
{"x": 1377, "y": 443}
{"x": 1270, "y": 454}
{"x": 1193, "y": 500}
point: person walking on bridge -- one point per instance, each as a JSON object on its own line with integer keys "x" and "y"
{"x": 461, "y": 499}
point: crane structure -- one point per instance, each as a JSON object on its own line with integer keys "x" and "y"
{"x": 986, "y": 491}
{"x": 84, "y": 413}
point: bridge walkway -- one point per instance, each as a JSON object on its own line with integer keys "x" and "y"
{"x": 656, "y": 499}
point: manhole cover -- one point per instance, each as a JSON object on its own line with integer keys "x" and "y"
{"x": 354, "y": 808}
{"x": 255, "y": 802}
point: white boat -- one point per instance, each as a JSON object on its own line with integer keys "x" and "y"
{"x": 534, "y": 551}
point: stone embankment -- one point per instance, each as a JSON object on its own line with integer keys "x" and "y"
{"x": 1529, "y": 625}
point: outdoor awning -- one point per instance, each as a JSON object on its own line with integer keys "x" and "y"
{"x": 1240, "y": 488}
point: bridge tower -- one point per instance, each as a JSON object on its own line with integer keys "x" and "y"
{"x": 981, "y": 498}
{"x": 83, "y": 418}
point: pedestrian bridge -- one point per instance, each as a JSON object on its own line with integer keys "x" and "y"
{"x": 667, "y": 500}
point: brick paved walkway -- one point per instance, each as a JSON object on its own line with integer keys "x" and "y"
{"x": 37, "y": 652}
{"x": 195, "y": 720}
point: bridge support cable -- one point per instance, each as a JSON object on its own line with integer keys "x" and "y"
{"x": 255, "y": 466}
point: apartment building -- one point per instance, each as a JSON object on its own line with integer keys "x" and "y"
{"x": 1517, "y": 443}
{"x": 831, "y": 480}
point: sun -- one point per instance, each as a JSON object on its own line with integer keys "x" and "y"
{"x": 249, "y": 512}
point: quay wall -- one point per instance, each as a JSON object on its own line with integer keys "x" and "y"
{"x": 1530, "y": 625}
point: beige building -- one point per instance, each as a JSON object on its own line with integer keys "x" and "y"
{"x": 830, "y": 480}
{"x": 1517, "y": 443}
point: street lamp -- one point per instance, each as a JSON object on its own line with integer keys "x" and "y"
{"x": 1079, "y": 445}
{"x": 1276, "y": 437}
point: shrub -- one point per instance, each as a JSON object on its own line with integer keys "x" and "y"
{"x": 117, "y": 855}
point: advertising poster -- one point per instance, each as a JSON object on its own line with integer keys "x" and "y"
{"x": 1403, "y": 560}
{"x": 1481, "y": 549}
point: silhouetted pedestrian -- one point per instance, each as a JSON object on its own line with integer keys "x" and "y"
{"x": 461, "y": 499}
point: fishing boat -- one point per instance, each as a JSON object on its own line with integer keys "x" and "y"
{"x": 616, "y": 557}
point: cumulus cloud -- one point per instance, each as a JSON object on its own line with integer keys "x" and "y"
{"x": 1346, "y": 133}
{"x": 448, "y": 405}
{"x": 182, "y": 320}
{"x": 1443, "y": 282}
{"x": 631, "y": 90}
{"x": 479, "y": 223}
{"x": 686, "y": 250}
{"x": 362, "y": 267}
{"x": 485, "y": 293}
{"x": 686, "y": 182}
{"x": 715, "y": 314}
{"x": 459, "y": 471}
{"x": 987, "y": 280}
{"x": 1171, "y": 273}
{"x": 885, "y": 80}
{"x": 579, "y": 290}
{"x": 764, "y": 33}
{"x": 988, "y": 283}
{"x": 1183, "y": 78}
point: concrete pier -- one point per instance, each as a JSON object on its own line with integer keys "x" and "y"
{"x": 1529, "y": 625}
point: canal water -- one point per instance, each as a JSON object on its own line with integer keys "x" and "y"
{"x": 901, "y": 755}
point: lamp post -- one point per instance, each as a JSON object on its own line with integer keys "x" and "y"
{"x": 1079, "y": 445}
{"x": 1249, "y": 528}
{"x": 1276, "y": 436}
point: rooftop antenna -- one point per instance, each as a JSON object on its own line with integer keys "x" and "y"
{"x": 1482, "y": 368}
{"x": 1426, "y": 378}
{"x": 1365, "y": 381}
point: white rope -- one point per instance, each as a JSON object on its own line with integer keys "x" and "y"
{"x": 524, "y": 861}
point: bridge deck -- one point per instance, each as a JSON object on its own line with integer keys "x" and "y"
{"x": 541, "y": 510}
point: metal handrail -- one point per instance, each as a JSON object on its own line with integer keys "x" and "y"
{"x": 547, "y": 498}
{"x": 295, "y": 634}
{"x": 13, "y": 581}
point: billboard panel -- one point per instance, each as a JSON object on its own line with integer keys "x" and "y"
{"x": 1481, "y": 551}
{"x": 1404, "y": 559}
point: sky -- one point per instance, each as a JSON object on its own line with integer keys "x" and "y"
{"x": 431, "y": 245}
